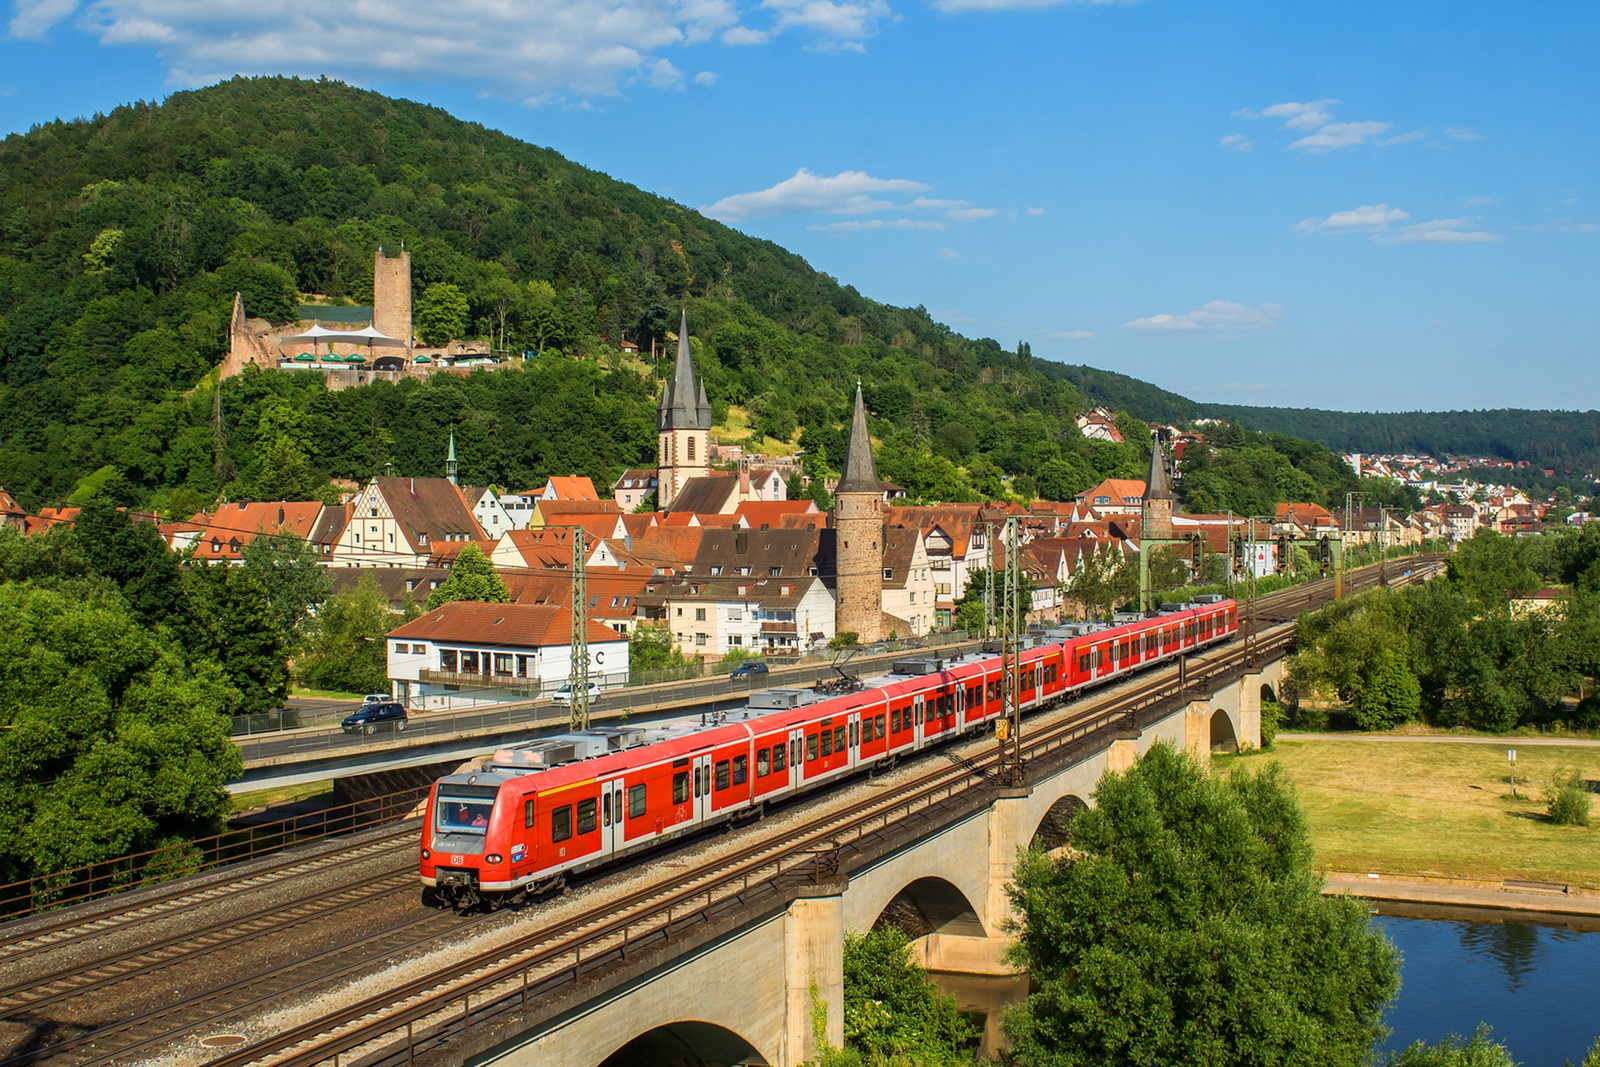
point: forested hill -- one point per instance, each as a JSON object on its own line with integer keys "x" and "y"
{"x": 123, "y": 238}
{"x": 1566, "y": 440}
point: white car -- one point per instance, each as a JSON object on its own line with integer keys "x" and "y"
{"x": 376, "y": 698}
{"x": 564, "y": 694}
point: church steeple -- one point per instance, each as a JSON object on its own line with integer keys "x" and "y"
{"x": 859, "y": 474}
{"x": 683, "y": 400}
{"x": 1159, "y": 485}
{"x": 450, "y": 460}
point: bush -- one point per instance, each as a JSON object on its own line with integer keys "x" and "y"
{"x": 1568, "y": 799}
{"x": 1456, "y": 1051}
{"x": 1271, "y": 719}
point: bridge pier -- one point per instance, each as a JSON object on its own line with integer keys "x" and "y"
{"x": 813, "y": 973}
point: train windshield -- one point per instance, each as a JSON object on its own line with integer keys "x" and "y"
{"x": 462, "y": 815}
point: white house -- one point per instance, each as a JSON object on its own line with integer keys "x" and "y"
{"x": 491, "y": 514}
{"x": 394, "y": 522}
{"x": 465, "y": 653}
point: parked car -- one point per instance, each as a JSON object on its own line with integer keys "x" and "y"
{"x": 748, "y": 668}
{"x": 371, "y": 718}
{"x": 564, "y": 694}
{"x": 377, "y": 698}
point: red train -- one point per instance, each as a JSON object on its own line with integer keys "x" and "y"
{"x": 569, "y": 803}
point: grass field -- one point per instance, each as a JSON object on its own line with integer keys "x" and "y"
{"x": 1437, "y": 809}
{"x": 303, "y": 791}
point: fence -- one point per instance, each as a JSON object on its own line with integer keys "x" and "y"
{"x": 91, "y": 881}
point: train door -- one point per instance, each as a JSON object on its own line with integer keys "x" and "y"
{"x": 611, "y": 839}
{"x": 916, "y": 711}
{"x": 702, "y": 787}
{"x": 797, "y": 753}
{"x": 854, "y": 737}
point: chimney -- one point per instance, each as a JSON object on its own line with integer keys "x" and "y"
{"x": 744, "y": 477}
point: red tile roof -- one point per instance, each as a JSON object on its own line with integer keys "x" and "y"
{"x": 503, "y": 625}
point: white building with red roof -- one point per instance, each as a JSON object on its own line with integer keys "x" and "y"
{"x": 466, "y": 653}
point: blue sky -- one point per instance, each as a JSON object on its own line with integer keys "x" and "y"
{"x": 1354, "y": 205}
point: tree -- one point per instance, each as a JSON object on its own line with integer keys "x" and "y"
{"x": 893, "y": 1013}
{"x": 652, "y": 648}
{"x": 1187, "y": 925}
{"x": 295, "y": 582}
{"x": 540, "y": 312}
{"x": 348, "y": 652}
{"x": 969, "y": 613}
{"x": 1456, "y": 1051}
{"x": 472, "y": 577}
{"x": 229, "y": 619}
{"x": 110, "y": 742}
{"x": 134, "y": 556}
{"x": 441, "y": 314}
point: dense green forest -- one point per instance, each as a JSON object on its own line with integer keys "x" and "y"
{"x": 123, "y": 238}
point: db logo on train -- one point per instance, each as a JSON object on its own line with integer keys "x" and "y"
{"x": 456, "y": 860}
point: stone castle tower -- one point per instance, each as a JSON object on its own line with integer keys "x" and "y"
{"x": 391, "y": 294}
{"x": 684, "y": 425}
{"x": 858, "y": 529}
{"x": 1156, "y": 512}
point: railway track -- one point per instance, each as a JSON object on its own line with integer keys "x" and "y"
{"x": 632, "y": 921}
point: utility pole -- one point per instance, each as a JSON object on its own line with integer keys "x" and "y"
{"x": 988, "y": 585}
{"x": 1008, "y": 730}
{"x": 578, "y": 676}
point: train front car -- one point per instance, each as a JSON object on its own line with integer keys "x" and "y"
{"x": 462, "y": 835}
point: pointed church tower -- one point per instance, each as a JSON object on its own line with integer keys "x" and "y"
{"x": 684, "y": 426}
{"x": 450, "y": 460}
{"x": 858, "y": 527}
{"x": 1156, "y": 512}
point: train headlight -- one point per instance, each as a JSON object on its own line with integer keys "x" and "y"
{"x": 426, "y": 854}
{"x": 493, "y": 858}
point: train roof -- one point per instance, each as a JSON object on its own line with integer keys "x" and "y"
{"x": 566, "y": 759}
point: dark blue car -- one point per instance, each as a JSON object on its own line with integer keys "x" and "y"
{"x": 748, "y": 668}
{"x": 374, "y": 717}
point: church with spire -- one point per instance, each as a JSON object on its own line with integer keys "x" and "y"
{"x": 1155, "y": 522}
{"x": 683, "y": 425}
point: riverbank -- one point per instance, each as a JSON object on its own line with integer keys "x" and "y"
{"x": 1546, "y": 898}
{"x": 1441, "y": 810}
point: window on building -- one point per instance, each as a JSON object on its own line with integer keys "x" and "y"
{"x": 716, "y": 569}
{"x": 774, "y": 572}
{"x": 699, "y": 639}
{"x": 699, "y": 614}
{"x": 401, "y": 649}
{"x": 502, "y": 663}
{"x": 735, "y": 639}
{"x": 888, "y": 572}
{"x": 691, "y": 449}
{"x": 469, "y": 662}
{"x": 447, "y": 659}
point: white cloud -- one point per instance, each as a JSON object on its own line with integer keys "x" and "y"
{"x": 1295, "y": 116}
{"x": 706, "y": 78}
{"x": 1071, "y": 335}
{"x": 858, "y": 225}
{"x": 1443, "y": 231}
{"x": 1238, "y": 142}
{"x": 1478, "y": 201}
{"x": 1407, "y": 138}
{"x": 533, "y": 50}
{"x": 1217, "y": 316}
{"x": 1367, "y": 217}
{"x": 1462, "y": 133}
{"x": 1036, "y": 211}
{"x": 845, "y": 23}
{"x": 1336, "y": 135}
{"x": 949, "y": 253}
{"x": 971, "y": 214}
{"x": 850, "y": 192}
{"x": 1564, "y": 226}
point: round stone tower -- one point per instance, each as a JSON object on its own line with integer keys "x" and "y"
{"x": 858, "y": 528}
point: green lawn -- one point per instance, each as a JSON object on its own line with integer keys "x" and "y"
{"x": 304, "y": 791}
{"x": 322, "y": 694}
{"x": 1437, "y": 809}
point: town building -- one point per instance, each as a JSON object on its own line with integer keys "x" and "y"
{"x": 467, "y": 653}
{"x": 684, "y": 425}
{"x": 633, "y": 488}
{"x": 1114, "y": 496}
{"x": 858, "y": 525}
{"x": 395, "y": 522}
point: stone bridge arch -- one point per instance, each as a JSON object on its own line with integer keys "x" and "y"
{"x": 1051, "y": 832}
{"x": 686, "y": 1043}
{"x": 947, "y": 872}
{"x": 931, "y": 905}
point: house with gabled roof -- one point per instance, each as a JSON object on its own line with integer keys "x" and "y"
{"x": 395, "y": 522}
{"x": 493, "y": 517}
{"x": 1114, "y": 496}
{"x": 221, "y": 536}
{"x": 635, "y": 485}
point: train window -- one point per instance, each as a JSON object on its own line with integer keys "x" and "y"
{"x": 855, "y": 734}
{"x": 680, "y": 787}
{"x": 561, "y": 823}
{"x": 722, "y": 774}
{"x": 636, "y": 801}
{"x": 527, "y": 814}
{"x": 455, "y": 815}
{"x": 1083, "y": 662}
{"x": 586, "y": 816}
{"x": 866, "y": 729}
{"x": 826, "y": 738}
{"x": 811, "y": 747}
{"x": 763, "y": 762}
{"x": 777, "y": 758}
{"x": 880, "y": 723}
{"x": 741, "y": 769}
{"x": 894, "y": 720}
{"x": 605, "y": 806}
{"x": 838, "y": 739}
{"x": 919, "y": 714}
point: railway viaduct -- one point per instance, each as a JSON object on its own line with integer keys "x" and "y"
{"x": 760, "y": 988}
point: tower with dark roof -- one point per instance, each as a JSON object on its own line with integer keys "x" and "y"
{"x": 858, "y": 528}
{"x": 683, "y": 424}
{"x": 1156, "y": 512}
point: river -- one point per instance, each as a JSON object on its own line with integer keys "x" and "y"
{"x": 1537, "y": 983}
